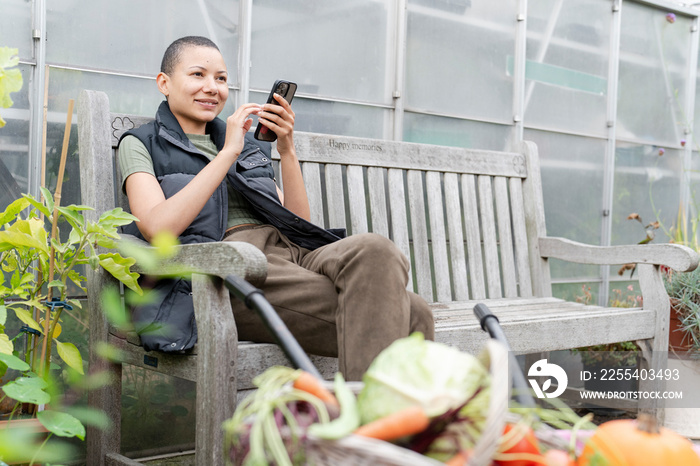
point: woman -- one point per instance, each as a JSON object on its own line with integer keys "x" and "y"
{"x": 191, "y": 174}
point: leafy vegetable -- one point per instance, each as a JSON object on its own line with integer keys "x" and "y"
{"x": 269, "y": 426}
{"x": 413, "y": 371}
{"x": 349, "y": 418}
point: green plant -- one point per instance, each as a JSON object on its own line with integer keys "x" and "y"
{"x": 38, "y": 269}
{"x": 684, "y": 291}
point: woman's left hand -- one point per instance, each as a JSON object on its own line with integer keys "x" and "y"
{"x": 279, "y": 118}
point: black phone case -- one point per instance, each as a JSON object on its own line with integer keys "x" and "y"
{"x": 262, "y": 133}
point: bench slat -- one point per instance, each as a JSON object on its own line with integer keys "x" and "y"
{"x": 312, "y": 181}
{"x": 357, "y": 200}
{"x": 520, "y": 238}
{"x": 456, "y": 237}
{"x": 377, "y": 201}
{"x": 335, "y": 196}
{"x": 437, "y": 235}
{"x": 471, "y": 222}
{"x": 488, "y": 228}
{"x": 421, "y": 252}
{"x": 348, "y": 150}
{"x": 510, "y": 285}
{"x": 591, "y": 329}
{"x": 399, "y": 219}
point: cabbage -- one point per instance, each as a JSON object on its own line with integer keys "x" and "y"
{"x": 413, "y": 371}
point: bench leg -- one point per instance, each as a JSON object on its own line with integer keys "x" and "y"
{"x": 100, "y": 442}
{"x": 217, "y": 347}
{"x": 655, "y": 351}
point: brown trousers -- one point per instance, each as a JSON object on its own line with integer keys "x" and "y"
{"x": 347, "y": 299}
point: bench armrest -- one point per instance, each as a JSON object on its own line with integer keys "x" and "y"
{"x": 217, "y": 258}
{"x": 675, "y": 256}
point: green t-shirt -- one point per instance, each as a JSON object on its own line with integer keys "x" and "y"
{"x": 133, "y": 157}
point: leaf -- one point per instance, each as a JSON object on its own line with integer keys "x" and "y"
{"x": 114, "y": 310}
{"x": 6, "y": 347}
{"x": 13, "y": 210}
{"x": 27, "y": 390}
{"x": 120, "y": 268}
{"x": 26, "y": 233}
{"x": 21, "y": 445}
{"x": 70, "y": 355}
{"x": 116, "y": 218}
{"x": 90, "y": 416}
{"x": 165, "y": 244}
{"x": 48, "y": 199}
{"x": 38, "y": 205}
{"x": 57, "y": 284}
{"x": 62, "y": 424}
{"x": 26, "y": 317}
{"x": 110, "y": 352}
{"x": 11, "y": 77}
{"x": 13, "y": 362}
{"x": 75, "y": 219}
{"x": 3, "y": 314}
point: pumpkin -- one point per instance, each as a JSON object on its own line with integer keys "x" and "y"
{"x": 641, "y": 442}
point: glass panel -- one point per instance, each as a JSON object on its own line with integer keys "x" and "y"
{"x": 646, "y": 184}
{"x": 653, "y": 66}
{"x": 572, "y": 187}
{"x": 14, "y": 144}
{"x": 572, "y": 184}
{"x": 318, "y": 116}
{"x": 131, "y": 35}
{"x": 695, "y": 139}
{"x": 689, "y": 236}
{"x": 566, "y": 73}
{"x": 456, "y": 58}
{"x": 586, "y": 293}
{"x": 334, "y": 48}
{"x": 158, "y": 413}
{"x": 430, "y": 129}
{"x": 16, "y": 27}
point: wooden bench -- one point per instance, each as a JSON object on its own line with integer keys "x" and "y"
{"x": 472, "y": 222}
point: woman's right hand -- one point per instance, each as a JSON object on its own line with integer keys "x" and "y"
{"x": 237, "y": 125}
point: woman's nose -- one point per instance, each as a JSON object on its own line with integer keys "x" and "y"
{"x": 210, "y": 86}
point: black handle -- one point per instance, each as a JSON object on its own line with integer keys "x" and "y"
{"x": 490, "y": 323}
{"x": 255, "y": 300}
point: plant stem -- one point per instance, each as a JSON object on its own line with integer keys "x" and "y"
{"x": 31, "y": 463}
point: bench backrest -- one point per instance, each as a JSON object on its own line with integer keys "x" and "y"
{"x": 468, "y": 219}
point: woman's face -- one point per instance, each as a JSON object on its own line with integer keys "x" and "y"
{"x": 197, "y": 88}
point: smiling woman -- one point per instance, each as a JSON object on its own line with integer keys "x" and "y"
{"x": 193, "y": 175}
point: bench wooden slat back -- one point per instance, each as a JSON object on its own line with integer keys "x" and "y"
{"x": 458, "y": 214}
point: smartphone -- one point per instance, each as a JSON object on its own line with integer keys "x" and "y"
{"x": 284, "y": 88}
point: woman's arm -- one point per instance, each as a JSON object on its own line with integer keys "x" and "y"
{"x": 175, "y": 214}
{"x": 280, "y": 119}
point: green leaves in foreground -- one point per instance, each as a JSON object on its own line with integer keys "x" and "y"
{"x": 62, "y": 424}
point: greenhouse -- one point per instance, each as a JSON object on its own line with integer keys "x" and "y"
{"x": 606, "y": 89}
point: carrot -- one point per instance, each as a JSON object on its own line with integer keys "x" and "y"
{"x": 459, "y": 459}
{"x": 407, "y": 421}
{"x": 310, "y": 384}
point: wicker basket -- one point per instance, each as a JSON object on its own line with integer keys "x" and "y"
{"x": 358, "y": 451}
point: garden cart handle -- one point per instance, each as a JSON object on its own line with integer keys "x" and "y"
{"x": 255, "y": 300}
{"x": 490, "y": 323}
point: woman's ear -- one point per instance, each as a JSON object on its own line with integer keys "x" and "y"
{"x": 163, "y": 81}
